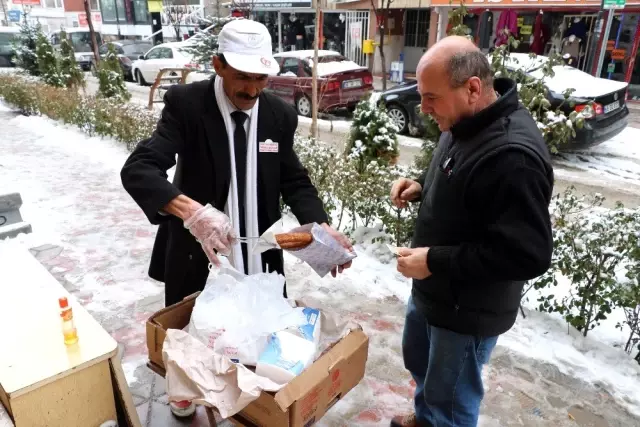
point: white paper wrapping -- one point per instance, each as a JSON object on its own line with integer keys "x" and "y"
{"x": 195, "y": 372}
{"x": 322, "y": 255}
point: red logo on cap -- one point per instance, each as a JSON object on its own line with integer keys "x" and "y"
{"x": 265, "y": 62}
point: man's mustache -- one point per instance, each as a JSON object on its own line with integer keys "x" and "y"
{"x": 246, "y": 96}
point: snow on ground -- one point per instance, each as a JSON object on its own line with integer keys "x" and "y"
{"x": 73, "y": 197}
{"x": 617, "y": 159}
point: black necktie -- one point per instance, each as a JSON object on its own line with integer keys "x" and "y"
{"x": 240, "y": 150}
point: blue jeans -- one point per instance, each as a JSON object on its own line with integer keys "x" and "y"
{"x": 447, "y": 369}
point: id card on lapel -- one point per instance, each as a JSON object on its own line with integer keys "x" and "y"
{"x": 268, "y": 147}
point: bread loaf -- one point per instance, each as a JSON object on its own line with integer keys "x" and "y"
{"x": 294, "y": 240}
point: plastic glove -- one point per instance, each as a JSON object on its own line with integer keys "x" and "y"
{"x": 213, "y": 230}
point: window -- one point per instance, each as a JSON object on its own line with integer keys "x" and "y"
{"x": 140, "y": 12}
{"x": 6, "y": 42}
{"x": 290, "y": 65}
{"x": 55, "y": 39}
{"x": 109, "y": 12}
{"x": 94, "y": 4}
{"x": 52, "y": 4}
{"x": 137, "y": 48}
{"x": 154, "y": 53}
{"x": 165, "y": 53}
{"x": 81, "y": 40}
{"x": 416, "y": 30}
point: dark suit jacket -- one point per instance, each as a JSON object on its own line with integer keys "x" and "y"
{"x": 191, "y": 127}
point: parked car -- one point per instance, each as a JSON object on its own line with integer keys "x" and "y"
{"x": 127, "y": 51}
{"x": 81, "y": 41}
{"x": 342, "y": 83}
{"x": 7, "y": 35}
{"x": 403, "y": 106}
{"x": 601, "y": 101}
{"x": 166, "y": 55}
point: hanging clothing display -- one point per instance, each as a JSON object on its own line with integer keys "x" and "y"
{"x": 485, "y": 29}
{"x": 507, "y": 26}
{"x": 540, "y": 36}
{"x": 578, "y": 29}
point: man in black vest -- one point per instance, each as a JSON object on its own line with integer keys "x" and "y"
{"x": 483, "y": 229}
{"x": 235, "y": 159}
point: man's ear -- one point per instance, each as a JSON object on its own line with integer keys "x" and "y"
{"x": 217, "y": 65}
{"x": 475, "y": 89}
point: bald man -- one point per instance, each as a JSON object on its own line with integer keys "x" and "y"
{"x": 483, "y": 229}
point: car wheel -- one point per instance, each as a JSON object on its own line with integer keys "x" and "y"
{"x": 399, "y": 117}
{"x": 303, "y": 106}
{"x": 140, "y": 79}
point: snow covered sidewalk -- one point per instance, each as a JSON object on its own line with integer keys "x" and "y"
{"x": 94, "y": 239}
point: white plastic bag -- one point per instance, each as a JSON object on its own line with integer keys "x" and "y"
{"x": 235, "y": 314}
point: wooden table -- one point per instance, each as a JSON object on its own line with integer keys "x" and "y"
{"x": 43, "y": 382}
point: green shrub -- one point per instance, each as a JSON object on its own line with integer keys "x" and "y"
{"x": 69, "y": 69}
{"x": 373, "y": 136}
{"x": 48, "y": 62}
{"x": 110, "y": 77}
{"x": 125, "y": 123}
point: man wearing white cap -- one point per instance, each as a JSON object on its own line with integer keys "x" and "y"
{"x": 235, "y": 159}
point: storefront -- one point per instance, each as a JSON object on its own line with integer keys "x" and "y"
{"x": 547, "y": 27}
{"x": 292, "y": 27}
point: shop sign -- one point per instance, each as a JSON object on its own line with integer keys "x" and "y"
{"x": 27, "y": 2}
{"x": 83, "y": 22}
{"x": 13, "y": 15}
{"x": 522, "y": 3}
{"x": 618, "y": 54}
{"x": 278, "y": 4}
{"x": 611, "y": 67}
{"x": 613, "y": 4}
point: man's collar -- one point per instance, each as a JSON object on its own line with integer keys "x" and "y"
{"x": 506, "y": 104}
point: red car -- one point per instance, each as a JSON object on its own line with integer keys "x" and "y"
{"x": 342, "y": 82}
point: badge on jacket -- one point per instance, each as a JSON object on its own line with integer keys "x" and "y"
{"x": 268, "y": 147}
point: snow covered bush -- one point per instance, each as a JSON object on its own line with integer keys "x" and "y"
{"x": 373, "y": 136}
{"x": 357, "y": 195}
{"x": 69, "y": 69}
{"x": 557, "y": 128}
{"x": 127, "y": 123}
{"x": 205, "y": 43}
{"x": 110, "y": 77}
{"x": 628, "y": 293}
{"x": 48, "y": 62}
{"x": 591, "y": 246}
{"x": 25, "y": 47}
{"x": 18, "y": 94}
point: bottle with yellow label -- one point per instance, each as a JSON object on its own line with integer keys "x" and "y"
{"x": 68, "y": 326}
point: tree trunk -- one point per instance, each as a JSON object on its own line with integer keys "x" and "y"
{"x": 383, "y": 61}
{"x": 314, "y": 78}
{"x": 94, "y": 41}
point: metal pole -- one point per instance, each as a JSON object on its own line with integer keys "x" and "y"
{"x": 617, "y": 41}
{"x": 118, "y": 20}
{"x": 279, "y": 31}
{"x": 605, "y": 39}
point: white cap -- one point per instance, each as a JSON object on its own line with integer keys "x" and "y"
{"x": 246, "y": 46}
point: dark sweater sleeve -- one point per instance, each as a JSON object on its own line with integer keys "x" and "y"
{"x": 144, "y": 174}
{"x": 298, "y": 192}
{"x": 510, "y": 195}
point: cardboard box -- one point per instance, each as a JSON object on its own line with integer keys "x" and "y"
{"x": 304, "y": 400}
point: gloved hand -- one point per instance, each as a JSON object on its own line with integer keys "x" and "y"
{"x": 213, "y": 230}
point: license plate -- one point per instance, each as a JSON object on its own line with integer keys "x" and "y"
{"x": 350, "y": 84}
{"x": 611, "y": 107}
